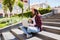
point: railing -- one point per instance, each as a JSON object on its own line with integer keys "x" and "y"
{"x": 47, "y": 15}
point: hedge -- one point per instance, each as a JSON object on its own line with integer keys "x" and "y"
{"x": 29, "y": 14}
{"x": 44, "y": 11}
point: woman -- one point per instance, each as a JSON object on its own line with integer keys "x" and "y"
{"x": 36, "y": 17}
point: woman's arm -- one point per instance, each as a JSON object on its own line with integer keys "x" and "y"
{"x": 33, "y": 22}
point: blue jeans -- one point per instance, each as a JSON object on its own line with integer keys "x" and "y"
{"x": 29, "y": 29}
{"x": 33, "y": 30}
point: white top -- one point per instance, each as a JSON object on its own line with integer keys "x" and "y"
{"x": 33, "y": 21}
{"x": 26, "y": 24}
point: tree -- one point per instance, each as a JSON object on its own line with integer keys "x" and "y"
{"x": 9, "y": 4}
{"x": 4, "y": 7}
{"x": 20, "y": 4}
{"x": 48, "y": 7}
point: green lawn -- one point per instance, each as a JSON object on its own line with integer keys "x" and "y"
{"x": 2, "y": 25}
{"x": 12, "y": 19}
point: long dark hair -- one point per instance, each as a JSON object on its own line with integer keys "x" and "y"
{"x": 35, "y": 12}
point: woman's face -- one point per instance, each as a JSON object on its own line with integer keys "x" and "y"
{"x": 32, "y": 10}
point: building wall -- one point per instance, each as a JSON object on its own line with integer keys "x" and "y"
{"x": 0, "y": 1}
{"x": 56, "y": 10}
{"x": 41, "y": 5}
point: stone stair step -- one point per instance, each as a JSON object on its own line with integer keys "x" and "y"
{"x": 51, "y": 20}
{"x": 51, "y": 29}
{"x": 53, "y": 17}
{"x": 56, "y": 16}
{"x": 52, "y": 23}
{"x": 8, "y": 36}
{"x": 43, "y": 37}
{"x": 51, "y": 35}
{"x": 18, "y": 33}
{"x": 34, "y": 38}
{"x": 0, "y": 36}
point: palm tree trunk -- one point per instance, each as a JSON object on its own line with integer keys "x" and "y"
{"x": 5, "y": 12}
{"x": 8, "y": 15}
{"x": 22, "y": 12}
{"x": 29, "y": 4}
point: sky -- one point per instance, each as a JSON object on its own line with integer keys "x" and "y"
{"x": 52, "y": 3}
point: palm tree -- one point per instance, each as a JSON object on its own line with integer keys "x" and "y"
{"x": 9, "y": 4}
{"x": 29, "y": 4}
{"x": 4, "y": 7}
{"x": 20, "y": 4}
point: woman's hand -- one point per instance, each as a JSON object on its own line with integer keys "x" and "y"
{"x": 31, "y": 25}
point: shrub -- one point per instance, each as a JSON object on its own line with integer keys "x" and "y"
{"x": 44, "y": 11}
{"x": 27, "y": 14}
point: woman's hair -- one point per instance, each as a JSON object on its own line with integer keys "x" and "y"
{"x": 36, "y": 12}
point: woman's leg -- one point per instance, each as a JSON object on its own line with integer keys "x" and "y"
{"x": 33, "y": 30}
{"x": 24, "y": 29}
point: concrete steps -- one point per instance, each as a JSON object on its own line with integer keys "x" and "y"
{"x": 54, "y": 20}
{"x": 18, "y": 33}
{"x": 55, "y": 16}
{"x": 0, "y": 36}
{"x": 51, "y": 29}
{"x": 8, "y": 36}
{"x": 51, "y": 20}
{"x": 49, "y": 33}
{"x": 52, "y": 23}
{"x": 34, "y": 38}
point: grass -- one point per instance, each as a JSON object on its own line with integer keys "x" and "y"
{"x": 13, "y": 20}
{"x": 3, "y": 25}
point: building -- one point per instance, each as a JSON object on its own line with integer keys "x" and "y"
{"x": 41, "y": 5}
{"x": 56, "y": 9}
{"x": 44, "y": 5}
{"x": 0, "y": 1}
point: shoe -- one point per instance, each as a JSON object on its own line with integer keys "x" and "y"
{"x": 29, "y": 35}
{"x": 24, "y": 34}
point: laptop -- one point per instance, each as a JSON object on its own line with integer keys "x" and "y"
{"x": 25, "y": 23}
